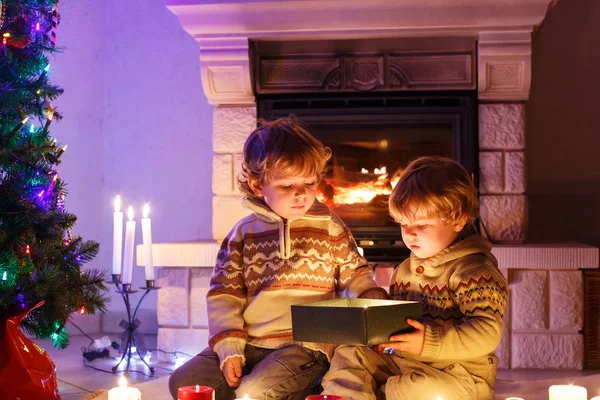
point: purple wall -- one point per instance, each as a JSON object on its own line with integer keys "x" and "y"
{"x": 563, "y": 140}
{"x": 137, "y": 124}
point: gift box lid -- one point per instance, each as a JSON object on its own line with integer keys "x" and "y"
{"x": 353, "y": 321}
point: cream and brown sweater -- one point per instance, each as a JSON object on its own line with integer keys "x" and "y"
{"x": 464, "y": 296}
{"x": 266, "y": 264}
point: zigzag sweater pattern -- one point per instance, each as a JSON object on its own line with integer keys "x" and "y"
{"x": 463, "y": 295}
{"x": 266, "y": 264}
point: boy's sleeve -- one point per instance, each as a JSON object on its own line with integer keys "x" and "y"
{"x": 226, "y": 300}
{"x": 355, "y": 276}
{"x": 481, "y": 291}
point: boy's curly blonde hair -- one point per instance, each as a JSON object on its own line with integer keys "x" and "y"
{"x": 435, "y": 186}
{"x": 284, "y": 146}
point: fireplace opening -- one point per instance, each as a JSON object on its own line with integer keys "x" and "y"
{"x": 373, "y": 137}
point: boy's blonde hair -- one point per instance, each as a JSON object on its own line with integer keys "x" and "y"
{"x": 435, "y": 186}
{"x": 282, "y": 145}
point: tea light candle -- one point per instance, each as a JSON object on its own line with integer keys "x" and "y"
{"x": 195, "y": 393}
{"x": 567, "y": 392}
{"x": 324, "y": 397}
{"x": 246, "y": 397}
{"x": 123, "y": 392}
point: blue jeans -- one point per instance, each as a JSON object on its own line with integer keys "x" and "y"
{"x": 289, "y": 373}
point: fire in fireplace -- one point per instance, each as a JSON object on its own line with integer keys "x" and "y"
{"x": 373, "y": 138}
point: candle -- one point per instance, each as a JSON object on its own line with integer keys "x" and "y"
{"x": 567, "y": 392}
{"x": 147, "y": 236}
{"x": 195, "y": 393}
{"x": 117, "y": 237}
{"x": 129, "y": 241}
{"x": 514, "y": 398}
{"x": 123, "y": 392}
{"x": 324, "y": 397}
{"x": 248, "y": 398}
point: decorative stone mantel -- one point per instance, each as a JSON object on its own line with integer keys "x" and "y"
{"x": 223, "y": 27}
{"x": 542, "y": 325}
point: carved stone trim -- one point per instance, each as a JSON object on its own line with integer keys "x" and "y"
{"x": 225, "y": 71}
{"x": 348, "y": 73}
{"x": 504, "y": 66}
{"x": 364, "y": 73}
{"x": 438, "y": 72}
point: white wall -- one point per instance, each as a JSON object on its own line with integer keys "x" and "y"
{"x": 137, "y": 124}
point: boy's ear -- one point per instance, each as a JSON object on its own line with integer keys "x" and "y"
{"x": 255, "y": 186}
{"x": 459, "y": 224}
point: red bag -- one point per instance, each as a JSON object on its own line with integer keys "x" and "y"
{"x": 26, "y": 370}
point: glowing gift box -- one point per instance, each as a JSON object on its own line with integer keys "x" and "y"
{"x": 353, "y": 321}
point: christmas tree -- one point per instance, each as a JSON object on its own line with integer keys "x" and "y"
{"x": 39, "y": 259}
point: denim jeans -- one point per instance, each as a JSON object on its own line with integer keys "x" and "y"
{"x": 289, "y": 373}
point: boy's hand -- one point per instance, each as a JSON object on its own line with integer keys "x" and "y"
{"x": 232, "y": 370}
{"x": 411, "y": 343}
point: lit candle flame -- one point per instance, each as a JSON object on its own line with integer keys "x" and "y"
{"x": 130, "y": 213}
{"x": 197, "y": 388}
{"x": 122, "y": 382}
{"x": 117, "y": 203}
{"x": 146, "y": 210}
{"x": 246, "y": 396}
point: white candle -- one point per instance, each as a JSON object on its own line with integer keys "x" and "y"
{"x": 567, "y": 392}
{"x": 129, "y": 242}
{"x": 245, "y": 397}
{"x": 117, "y": 237}
{"x": 123, "y": 392}
{"x": 147, "y": 236}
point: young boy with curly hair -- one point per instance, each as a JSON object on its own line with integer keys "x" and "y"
{"x": 455, "y": 277}
{"x": 290, "y": 250}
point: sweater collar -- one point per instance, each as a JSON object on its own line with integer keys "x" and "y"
{"x": 317, "y": 212}
{"x": 471, "y": 245}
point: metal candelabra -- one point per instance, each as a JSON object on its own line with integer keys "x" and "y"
{"x": 131, "y": 340}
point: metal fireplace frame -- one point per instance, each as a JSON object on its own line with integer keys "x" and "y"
{"x": 456, "y": 108}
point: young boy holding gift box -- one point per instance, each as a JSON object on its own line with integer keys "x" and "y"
{"x": 290, "y": 250}
{"x": 456, "y": 279}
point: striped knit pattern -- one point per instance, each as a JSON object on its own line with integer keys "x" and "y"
{"x": 463, "y": 295}
{"x": 266, "y": 264}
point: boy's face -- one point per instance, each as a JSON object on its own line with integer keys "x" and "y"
{"x": 427, "y": 235}
{"x": 289, "y": 196}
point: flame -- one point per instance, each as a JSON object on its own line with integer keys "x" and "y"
{"x": 361, "y": 192}
{"x": 146, "y": 210}
{"x": 197, "y": 386}
{"x": 130, "y": 213}
{"x": 122, "y": 382}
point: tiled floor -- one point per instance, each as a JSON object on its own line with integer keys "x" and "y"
{"x": 77, "y": 381}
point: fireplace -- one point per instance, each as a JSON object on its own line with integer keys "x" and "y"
{"x": 373, "y": 137}
{"x": 419, "y": 51}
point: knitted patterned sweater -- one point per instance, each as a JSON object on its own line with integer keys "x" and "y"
{"x": 463, "y": 295}
{"x": 266, "y": 264}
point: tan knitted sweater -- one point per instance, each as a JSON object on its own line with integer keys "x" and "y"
{"x": 266, "y": 264}
{"x": 464, "y": 296}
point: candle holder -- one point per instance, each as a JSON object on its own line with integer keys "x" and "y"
{"x": 131, "y": 340}
{"x": 116, "y": 279}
